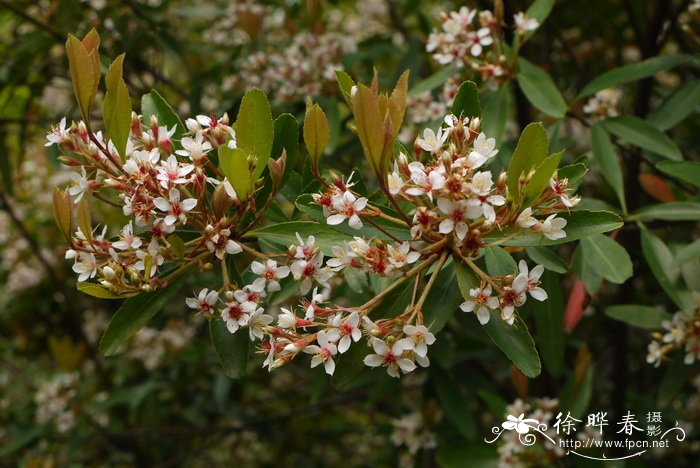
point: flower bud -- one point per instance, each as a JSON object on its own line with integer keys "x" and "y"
{"x": 63, "y": 211}
{"x": 221, "y": 201}
{"x": 276, "y": 168}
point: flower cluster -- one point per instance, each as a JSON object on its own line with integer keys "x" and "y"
{"x": 605, "y": 103}
{"x": 682, "y": 331}
{"x": 468, "y": 38}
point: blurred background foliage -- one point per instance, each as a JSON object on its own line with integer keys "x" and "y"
{"x": 164, "y": 400}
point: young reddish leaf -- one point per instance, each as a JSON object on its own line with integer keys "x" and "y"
{"x": 63, "y": 211}
{"x": 316, "y": 133}
{"x": 575, "y": 306}
{"x": 397, "y": 103}
{"x": 84, "y": 219}
{"x": 84, "y": 74}
{"x": 656, "y": 187}
{"x": 368, "y": 120}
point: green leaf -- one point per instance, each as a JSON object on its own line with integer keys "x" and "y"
{"x": 638, "y": 315}
{"x": 443, "y": 299}
{"x": 284, "y": 234}
{"x": 135, "y": 312}
{"x": 687, "y": 253}
{"x": 540, "y": 90}
{"x": 674, "y": 379}
{"x": 233, "y": 162}
{"x": 466, "y": 278}
{"x": 540, "y": 10}
{"x": 672, "y": 211}
{"x": 349, "y": 365}
{"x": 154, "y": 104}
{"x": 232, "y": 348}
{"x": 466, "y": 102}
{"x": 287, "y": 139}
{"x": 547, "y": 259}
{"x": 660, "y": 260}
{"x": 531, "y": 150}
{"x": 606, "y": 157}
{"x": 574, "y": 173}
{"x": 641, "y": 133}
{"x": 496, "y": 106}
{"x": 540, "y": 179}
{"x": 96, "y": 290}
{"x": 433, "y": 81}
{"x": 607, "y": 258}
{"x": 254, "y": 129}
{"x": 584, "y": 270}
{"x": 633, "y": 72}
{"x": 679, "y": 105}
{"x": 116, "y": 107}
{"x": 515, "y": 342}
{"x": 453, "y": 402}
{"x": 345, "y": 82}
{"x": 316, "y": 132}
{"x": 687, "y": 171}
{"x": 580, "y": 224}
{"x": 499, "y": 262}
{"x": 549, "y": 323}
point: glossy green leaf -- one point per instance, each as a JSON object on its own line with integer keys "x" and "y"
{"x": 495, "y": 109}
{"x": 641, "y": 133}
{"x": 679, "y": 105}
{"x": 233, "y": 162}
{"x": 580, "y": 224}
{"x": 634, "y": 72}
{"x": 154, "y": 104}
{"x": 607, "y": 258}
{"x": 574, "y": 173}
{"x": 660, "y": 261}
{"x": 686, "y": 254}
{"x": 345, "y": 82}
{"x": 672, "y": 211}
{"x": 96, "y": 290}
{"x": 687, "y": 171}
{"x": 499, "y": 262}
{"x": 606, "y": 158}
{"x": 286, "y": 139}
{"x": 540, "y": 90}
{"x": 549, "y": 323}
{"x": 135, "y": 312}
{"x": 116, "y": 107}
{"x": 466, "y": 102}
{"x": 233, "y": 349}
{"x": 443, "y": 299}
{"x": 585, "y": 272}
{"x": 255, "y": 129}
{"x": 284, "y": 234}
{"x": 515, "y": 342}
{"x": 638, "y": 315}
{"x": 540, "y": 179}
{"x": 548, "y": 259}
{"x": 531, "y": 150}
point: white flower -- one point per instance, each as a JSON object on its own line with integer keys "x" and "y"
{"x": 154, "y": 253}
{"x": 58, "y": 135}
{"x": 347, "y": 206}
{"x": 286, "y": 319}
{"x": 127, "y": 239}
{"x": 394, "y": 181}
{"x": 478, "y": 39}
{"x": 390, "y": 357}
{"x": 316, "y": 298}
{"x": 424, "y": 184}
{"x": 230, "y": 191}
{"x": 194, "y": 148}
{"x": 343, "y": 257}
{"x": 176, "y": 209}
{"x": 171, "y": 172}
{"x": 654, "y": 353}
{"x": 484, "y": 146}
{"x": 86, "y": 267}
{"x": 257, "y": 323}
{"x": 526, "y": 220}
{"x": 269, "y": 274}
{"x": 308, "y": 271}
{"x": 235, "y": 315}
{"x": 533, "y": 280}
{"x": 553, "y": 227}
{"x": 346, "y": 331}
{"x": 204, "y": 302}
{"x": 431, "y": 141}
{"x": 559, "y": 189}
{"x": 420, "y": 338}
{"x": 81, "y": 185}
{"x": 481, "y": 186}
{"x": 400, "y": 255}
{"x": 457, "y": 213}
{"x": 513, "y": 296}
{"x": 524, "y": 24}
{"x": 306, "y": 248}
{"x": 480, "y": 303}
{"x": 323, "y": 352}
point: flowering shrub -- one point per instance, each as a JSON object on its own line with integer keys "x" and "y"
{"x": 266, "y": 177}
